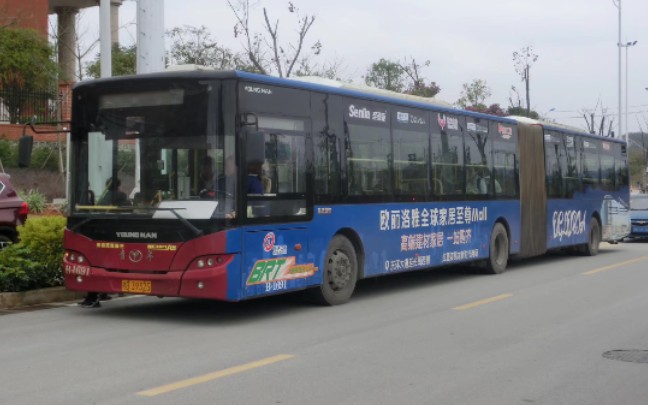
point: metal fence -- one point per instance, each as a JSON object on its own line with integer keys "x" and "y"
{"x": 17, "y": 107}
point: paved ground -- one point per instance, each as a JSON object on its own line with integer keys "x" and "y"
{"x": 535, "y": 334}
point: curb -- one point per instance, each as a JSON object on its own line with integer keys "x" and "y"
{"x": 11, "y": 300}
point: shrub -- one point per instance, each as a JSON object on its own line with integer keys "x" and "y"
{"x": 37, "y": 260}
{"x": 17, "y": 270}
{"x": 34, "y": 199}
{"x": 44, "y": 235}
{"x": 45, "y": 157}
{"x": 8, "y": 153}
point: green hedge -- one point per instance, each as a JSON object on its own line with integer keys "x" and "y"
{"x": 37, "y": 260}
{"x": 44, "y": 156}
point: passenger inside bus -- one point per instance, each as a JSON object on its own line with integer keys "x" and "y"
{"x": 226, "y": 182}
{"x": 206, "y": 179}
{"x": 107, "y": 196}
{"x": 476, "y": 183}
{"x": 254, "y": 182}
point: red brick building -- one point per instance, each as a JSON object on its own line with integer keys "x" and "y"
{"x": 25, "y": 14}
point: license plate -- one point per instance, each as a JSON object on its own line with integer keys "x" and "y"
{"x": 136, "y": 286}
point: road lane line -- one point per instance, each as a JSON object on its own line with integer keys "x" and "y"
{"x": 213, "y": 376}
{"x": 614, "y": 266}
{"x": 482, "y": 302}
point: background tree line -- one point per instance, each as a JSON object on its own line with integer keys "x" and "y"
{"x": 269, "y": 48}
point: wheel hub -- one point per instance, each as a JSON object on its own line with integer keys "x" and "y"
{"x": 339, "y": 270}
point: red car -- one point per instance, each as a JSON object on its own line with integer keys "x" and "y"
{"x": 13, "y": 212}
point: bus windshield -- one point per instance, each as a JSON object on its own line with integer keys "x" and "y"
{"x": 155, "y": 153}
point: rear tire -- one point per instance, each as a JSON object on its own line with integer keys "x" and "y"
{"x": 591, "y": 248}
{"x": 340, "y": 273}
{"x": 499, "y": 250}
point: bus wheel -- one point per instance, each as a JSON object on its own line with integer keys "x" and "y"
{"x": 499, "y": 250}
{"x": 591, "y": 248}
{"x": 340, "y": 273}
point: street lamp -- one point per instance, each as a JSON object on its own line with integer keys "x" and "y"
{"x": 626, "y": 46}
{"x": 545, "y": 116}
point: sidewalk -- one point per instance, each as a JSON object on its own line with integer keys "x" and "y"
{"x": 13, "y": 300}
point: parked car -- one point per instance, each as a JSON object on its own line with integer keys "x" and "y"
{"x": 13, "y": 212}
{"x": 639, "y": 215}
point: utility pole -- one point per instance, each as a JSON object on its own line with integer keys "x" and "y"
{"x": 150, "y": 51}
{"x": 617, "y": 3}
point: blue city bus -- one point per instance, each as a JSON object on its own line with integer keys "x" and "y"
{"x": 231, "y": 185}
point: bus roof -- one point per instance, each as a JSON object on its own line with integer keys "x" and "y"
{"x": 555, "y": 126}
{"x": 308, "y": 83}
{"x": 325, "y": 85}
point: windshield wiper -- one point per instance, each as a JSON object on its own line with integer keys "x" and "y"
{"x": 182, "y": 219}
{"x": 131, "y": 208}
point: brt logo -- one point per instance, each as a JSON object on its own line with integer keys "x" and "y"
{"x": 265, "y": 271}
{"x": 285, "y": 268}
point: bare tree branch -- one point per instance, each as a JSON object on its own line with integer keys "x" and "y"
{"x": 285, "y": 56}
{"x": 242, "y": 14}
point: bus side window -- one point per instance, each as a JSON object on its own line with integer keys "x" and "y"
{"x": 607, "y": 166}
{"x": 478, "y": 153}
{"x": 572, "y": 173}
{"x": 620, "y": 166}
{"x": 446, "y": 154}
{"x": 553, "y": 167}
{"x": 590, "y": 163}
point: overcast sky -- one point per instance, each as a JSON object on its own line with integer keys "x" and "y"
{"x": 464, "y": 40}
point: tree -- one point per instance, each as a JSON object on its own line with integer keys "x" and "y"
{"x": 493, "y": 109}
{"x": 474, "y": 95}
{"x": 515, "y": 106}
{"x": 522, "y": 112}
{"x": 522, "y": 61}
{"x": 124, "y": 61}
{"x": 401, "y": 77}
{"x": 387, "y": 75}
{"x": 282, "y": 57}
{"x": 193, "y": 45}
{"x": 333, "y": 70}
{"x": 417, "y": 87}
{"x": 26, "y": 65}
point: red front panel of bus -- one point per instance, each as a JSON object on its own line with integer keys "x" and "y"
{"x": 161, "y": 269}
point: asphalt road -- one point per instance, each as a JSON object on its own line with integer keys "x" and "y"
{"x": 536, "y": 334}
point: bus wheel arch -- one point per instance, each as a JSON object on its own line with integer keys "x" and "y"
{"x": 499, "y": 248}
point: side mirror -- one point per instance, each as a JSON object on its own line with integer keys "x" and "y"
{"x": 25, "y": 146}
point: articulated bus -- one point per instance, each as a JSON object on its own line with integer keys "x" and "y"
{"x": 231, "y": 186}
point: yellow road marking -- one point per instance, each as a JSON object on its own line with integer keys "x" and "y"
{"x": 213, "y": 376}
{"x": 614, "y": 266}
{"x": 482, "y": 302}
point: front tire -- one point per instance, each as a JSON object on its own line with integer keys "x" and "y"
{"x": 499, "y": 250}
{"x": 340, "y": 273}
